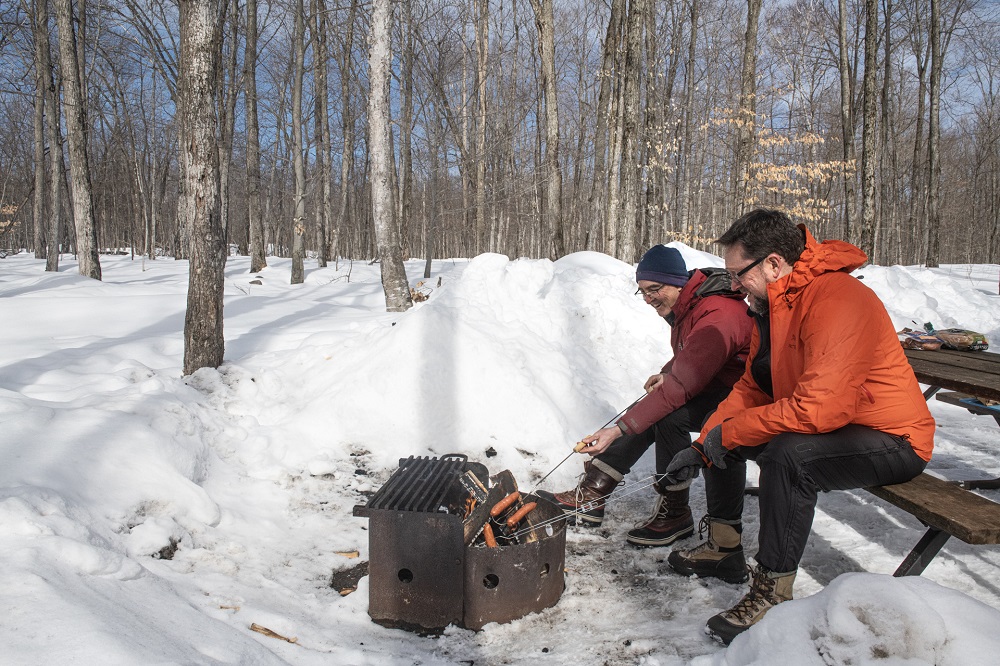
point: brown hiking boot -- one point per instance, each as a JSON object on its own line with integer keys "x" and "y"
{"x": 586, "y": 501}
{"x": 767, "y": 589}
{"x": 721, "y": 556}
{"x": 671, "y": 519}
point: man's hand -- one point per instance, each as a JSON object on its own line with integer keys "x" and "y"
{"x": 714, "y": 450}
{"x": 653, "y": 382}
{"x": 601, "y": 440}
{"x": 684, "y": 467}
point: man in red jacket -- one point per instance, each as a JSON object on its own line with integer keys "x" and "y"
{"x": 828, "y": 402}
{"x": 710, "y": 337}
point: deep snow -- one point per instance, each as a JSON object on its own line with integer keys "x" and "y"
{"x": 250, "y": 472}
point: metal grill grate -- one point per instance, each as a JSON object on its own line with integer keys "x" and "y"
{"x": 419, "y": 485}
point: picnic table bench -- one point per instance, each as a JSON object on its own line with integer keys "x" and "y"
{"x": 948, "y": 508}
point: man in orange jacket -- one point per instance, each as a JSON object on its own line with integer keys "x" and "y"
{"x": 828, "y": 402}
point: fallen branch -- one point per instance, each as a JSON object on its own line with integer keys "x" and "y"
{"x": 267, "y": 632}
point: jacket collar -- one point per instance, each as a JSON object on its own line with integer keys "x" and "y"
{"x": 817, "y": 259}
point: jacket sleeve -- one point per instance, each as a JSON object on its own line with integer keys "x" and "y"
{"x": 838, "y": 326}
{"x": 719, "y": 333}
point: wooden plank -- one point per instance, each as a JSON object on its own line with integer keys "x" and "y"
{"x": 963, "y": 514}
{"x": 977, "y": 361}
{"x": 975, "y": 373}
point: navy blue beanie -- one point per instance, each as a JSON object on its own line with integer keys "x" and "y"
{"x": 664, "y": 265}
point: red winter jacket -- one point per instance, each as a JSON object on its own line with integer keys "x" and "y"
{"x": 710, "y": 336}
{"x": 835, "y": 360}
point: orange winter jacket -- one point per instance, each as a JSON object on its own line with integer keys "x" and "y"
{"x": 835, "y": 360}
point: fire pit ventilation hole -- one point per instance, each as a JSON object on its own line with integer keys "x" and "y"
{"x": 545, "y": 570}
{"x": 491, "y": 581}
{"x": 405, "y": 576}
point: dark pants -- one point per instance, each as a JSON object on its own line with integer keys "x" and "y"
{"x": 671, "y": 434}
{"x": 793, "y": 469}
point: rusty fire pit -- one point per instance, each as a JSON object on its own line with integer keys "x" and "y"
{"x": 441, "y": 550}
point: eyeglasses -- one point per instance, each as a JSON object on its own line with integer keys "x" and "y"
{"x": 738, "y": 275}
{"x": 649, "y": 293}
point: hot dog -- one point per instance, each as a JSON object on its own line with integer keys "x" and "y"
{"x": 520, "y": 513}
{"x": 502, "y": 505}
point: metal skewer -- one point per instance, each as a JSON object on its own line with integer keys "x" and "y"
{"x": 582, "y": 445}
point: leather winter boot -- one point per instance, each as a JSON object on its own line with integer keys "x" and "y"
{"x": 767, "y": 589}
{"x": 586, "y": 501}
{"x": 721, "y": 556}
{"x": 671, "y": 519}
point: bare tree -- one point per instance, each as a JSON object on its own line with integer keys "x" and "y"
{"x": 76, "y": 136}
{"x": 298, "y": 147}
{"x": 324, "y": 204}
{"x": 868, "y": 135}
{"x": 934, "y": 141}
{"x": 257, "y": 260}
{"x": 553, "y": 173}
{"x": 201, "y": 56}
{"x": 846, "y": 119}
{"x": 40, "y": 36}
{"x": 394, "y": 283}
{"x": 747, "y": 110}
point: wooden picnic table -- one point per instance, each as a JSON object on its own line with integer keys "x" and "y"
{"x": 973, "y": 373}
{"x": 943, "y": 507}
{"x": 970, "y": 377}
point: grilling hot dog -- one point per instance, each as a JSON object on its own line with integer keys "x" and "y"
{"x": 520, "y": 513}
{"x": 503, "y": 504}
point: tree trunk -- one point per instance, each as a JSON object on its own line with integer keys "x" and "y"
{"x": 257, "y": 259}
{"x": 627, "y": 241}
{"x": 40, "y": 36}
{"x": 607, "y": 75}
{"x": 406, "y": 130}
{"x": 933, "y": 141}
{"x": 201, "y": 56}
{"x": 298, "y": 157}
{"x": 347, "y": 128}
{"x": 553, "y": 173}
{"x": 76, "y": 135}
{"x": 846, "y": 124}
{"x": 868, "y": 136}
{"x": 482, "y": 53}
{"x": 229, "y": 91}
{"x": 324, "y": 205}
{"x": 746, "y": 113}
{"x": 56, "y": 166}
{"x": 394, "y": 282}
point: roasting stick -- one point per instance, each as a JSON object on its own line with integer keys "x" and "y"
{"x": 580, "y": 446}
{"x": 641, "y": 484}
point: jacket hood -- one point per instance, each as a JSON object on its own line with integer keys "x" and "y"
{"x": 702, "y": 282}
{"x": 819, "y": 258}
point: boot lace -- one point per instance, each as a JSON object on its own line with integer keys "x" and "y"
{"x": 706, "y": 545}
{"x": 760, "y": 597}
{"x": 582, "y": 504}
{"x": 659, "y": 513}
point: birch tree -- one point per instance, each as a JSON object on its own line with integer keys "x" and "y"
{"x": 394, "y": 282}
{"x": 298, "y": 158}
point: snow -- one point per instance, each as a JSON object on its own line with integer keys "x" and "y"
{"x": 147, "y": 517}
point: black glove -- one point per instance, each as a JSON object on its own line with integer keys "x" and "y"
{"x": 683, "y": 467}
{"x": 714, "y": 450}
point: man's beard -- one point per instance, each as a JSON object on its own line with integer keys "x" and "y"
{"x": 759, "y": 305}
